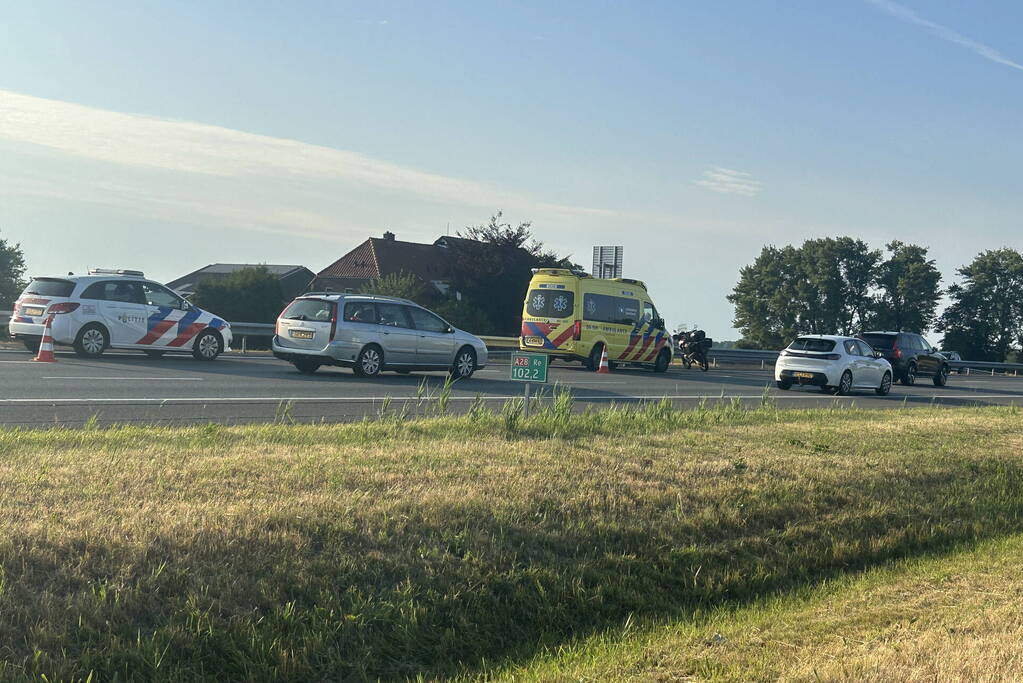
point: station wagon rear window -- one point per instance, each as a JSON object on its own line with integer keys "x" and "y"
{"x": 309, "y": 309}
{"x": 47, "y": 286}
{"x": 550, "y": 303}
{"x": 813, "y": 345}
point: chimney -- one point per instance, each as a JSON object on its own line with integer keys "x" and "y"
{"x": 389, "y": 236}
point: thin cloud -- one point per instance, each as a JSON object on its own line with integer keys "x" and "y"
{"x": 187, "y": 148}
{"x": 730, "y": 181}
{"x": 905, "y": 14}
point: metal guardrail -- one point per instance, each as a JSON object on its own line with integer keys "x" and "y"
{"x": 760, "y": 357}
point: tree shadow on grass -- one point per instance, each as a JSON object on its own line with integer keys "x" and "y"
{"x": 435, "y": 588}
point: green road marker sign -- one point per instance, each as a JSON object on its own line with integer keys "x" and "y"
{"x": 528, "y": 368}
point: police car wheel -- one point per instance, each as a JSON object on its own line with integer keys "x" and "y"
{"x": 594, "y": 361}
{"x": 206, "y": 346}
{"x": 91, "y": 341}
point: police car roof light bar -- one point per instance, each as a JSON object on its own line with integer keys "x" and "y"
{"x": 116, "y": 271}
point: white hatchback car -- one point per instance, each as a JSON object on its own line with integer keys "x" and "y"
{"x": 835, "y": 364}
{"x": 117, "y": 309}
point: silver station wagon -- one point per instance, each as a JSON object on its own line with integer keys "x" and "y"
{"x": 373, "y": 333}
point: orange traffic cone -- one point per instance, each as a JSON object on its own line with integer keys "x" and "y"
{"x": 604, "y": 367}
{"x": 45, "y": 354}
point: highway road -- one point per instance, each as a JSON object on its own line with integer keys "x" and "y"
{"x": 131, "y": 388}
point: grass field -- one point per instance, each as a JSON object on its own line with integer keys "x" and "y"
{"x": 652, "y": 543}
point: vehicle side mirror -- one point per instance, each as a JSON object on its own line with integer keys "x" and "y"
{"x": 450, "y": 330}
{"x": 878, "y": 354}
{"x": 659, "y": 323}
{"x": 934, "y": 349}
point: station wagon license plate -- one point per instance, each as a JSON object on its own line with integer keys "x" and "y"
{"x": 534, "y": 341}
{"x": 32, "y": 310}
{"x": 301, "y": 334}
{"x": 803, "y": 375}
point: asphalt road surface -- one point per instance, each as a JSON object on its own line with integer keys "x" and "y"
{"x": 131, "y": 388}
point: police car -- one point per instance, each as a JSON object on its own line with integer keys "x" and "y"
{"x": 116, "y": 309}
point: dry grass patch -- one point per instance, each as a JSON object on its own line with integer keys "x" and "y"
{"x": 450, "y": 546}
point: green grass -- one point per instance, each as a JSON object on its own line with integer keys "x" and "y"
{"x": 462, "y": 546}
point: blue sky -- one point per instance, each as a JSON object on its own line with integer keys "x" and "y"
{"x": 165, "y": 136}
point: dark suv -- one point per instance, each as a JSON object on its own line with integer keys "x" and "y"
{"x": 910, "y": 355}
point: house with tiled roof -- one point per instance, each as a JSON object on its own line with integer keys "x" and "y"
{"x": 379, "y": 257}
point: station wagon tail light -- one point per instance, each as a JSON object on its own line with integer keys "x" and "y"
{"x": 65, "y": 307}
{"x": 333, "y": 322}
{"x": 898, "y": 352}
{"x": 577, "y": 330}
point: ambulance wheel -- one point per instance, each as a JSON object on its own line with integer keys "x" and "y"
{"x": 207, "y": 345}
{"x": 32, "y": 344}
{"x": 594, "y": 362}
{"x": 91, "y": 341}
{"x": 663, "y": 361}
{"x": 155, "y": 354}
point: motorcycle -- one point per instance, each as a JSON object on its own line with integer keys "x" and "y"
{"x": 693, "y": 347}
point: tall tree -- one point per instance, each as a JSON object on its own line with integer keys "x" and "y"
{"x": 12, "y": 273}
{"x": 985, "y": 318}
{"x": 251, "y": 295}
{"x": 909, "y": 285}
{"x": 491, "y": 268}
{"x": 765, "y": 298}
{"x": 822, "y": 287}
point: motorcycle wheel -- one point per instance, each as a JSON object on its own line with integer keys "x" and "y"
{"x": 687, "y": 363}
{"x": 704, "y": 365}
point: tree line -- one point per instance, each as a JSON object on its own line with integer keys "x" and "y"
{"x": 842, "y": 286}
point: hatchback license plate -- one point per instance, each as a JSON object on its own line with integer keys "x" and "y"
{"x": 31, "y": 310}
{"x": 301, "y": 334}
{"x": 803, "y": 375}
{"x": 534, "y": 341}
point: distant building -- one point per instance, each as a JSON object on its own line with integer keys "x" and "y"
{"x": 294, "y": 279}
{"x": 379, "y": 257}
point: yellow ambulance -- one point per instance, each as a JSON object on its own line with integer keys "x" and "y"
{"x": 573, "y": 316}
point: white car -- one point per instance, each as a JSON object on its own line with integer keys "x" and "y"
{"x": 835, "y": 364}
{"x": 116, "y": 309}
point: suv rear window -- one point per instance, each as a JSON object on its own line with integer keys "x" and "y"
{"x": 45, "y": 286}
{"x": 550, "y": 303}
{"x": 811, "y": 344}
{"x": 880, "y": 341}
{"x": 309, "y": 309}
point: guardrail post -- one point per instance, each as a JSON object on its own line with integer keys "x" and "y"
{"x": 761, "y": 363}
{"x": 967, "y": 372}
{"x": 992, "y": 372}
{"x": 244, "y": 346}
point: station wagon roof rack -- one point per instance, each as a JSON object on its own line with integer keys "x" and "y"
{"x": 363, "y": 296}
{"x": 116, "y": 271}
